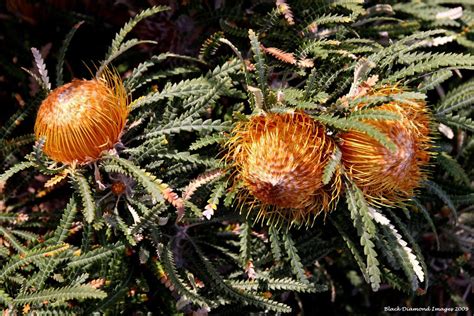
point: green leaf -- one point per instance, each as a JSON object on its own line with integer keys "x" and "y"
{"x": 26, "y": 235}
{"x": 10, "y": 145}
{"x": 117, "y": 42}
{"x": 353, "y": 249}
{"x": 428, "y": 218}
{"x": 260, "y": 63}
{"x": 18, "y": 261}
{"x": 244, "y": 297}
{"x": 332, "y": 165}
{"x": 94, "y": 256}
{"x": 294, "y": 258}
{"x": 152, "y": 185}
{"x": 352, "y": 124}
{"x": 283, "y": 284}
{"x": 15, "y": 243}
{"x": 84, "y": 189}
{"x": 62, "y": 231}
{"x": 182, "y": 288}
{"x": 374, "y": 114}
{"x": 206, "y": 141}
{"x": 5, "y": 299}
{"x": 122, "y": 49}
{"x": 453, "y": 168}
{"x": 245, "y": 242}
{"x": 459, "y": 121}
{"x": 435, "y": 79}
{"x": 360, "y": 212}
{"x": 438, "y": 191}
{"x": 61, "y": 294}
{"x": 138, "y": 77}
{"x": 189, "y": 125}
{"x": 436, "y": 61}
{"x": 14, "y": 170}
{"x": 182, "y": 89}
{"x": 274, "y": 243}
{"x": 62, "y": 53}
{"x": 460, "y": 97}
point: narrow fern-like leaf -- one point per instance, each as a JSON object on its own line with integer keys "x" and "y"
{"x": 96, "y": 255}
{"x": 62, "y": 231}
{"x": 60, "y": 294}
{"x": 352, "y": 124}
{"x": 260, "y": 62}
{"x": 62, "y": 53}
{"x": 14, "y": 170}
{"x": 153, "y": 185}
{"x": 453, "y": 168}
{"x": 243, "y": 297}
{"x": 182, "y": 288}
{"x": 18, "y": 261}
{"x": 15, "y": 243}
{"x": 294, "y": 258}
{"x": 117, "y": 42}
{"x": 359, "y": 209}
{"x": 332, "y": 165}
{"x": 438, "y": 191}
{"x": 85, "y": 192}
{"x": 245, "y": 242}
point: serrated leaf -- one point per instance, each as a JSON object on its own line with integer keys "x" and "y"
{"x": 60, "y": 294}
{"x": 332, "y": 165}
{"x": 85, "y": 192}
{"x": 352, "y": 124}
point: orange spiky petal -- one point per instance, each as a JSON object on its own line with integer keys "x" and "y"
{"x": 83, "y": 118}
{"x": 279, "y": 161}
{"x": 389, "y": 178}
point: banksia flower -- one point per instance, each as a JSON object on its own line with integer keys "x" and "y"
{"x": 386, "y": 177}
{"x": 83, "y": 118}
{"x": 279, "y": 161}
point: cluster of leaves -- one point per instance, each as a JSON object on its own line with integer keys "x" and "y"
{"x": 168, "y": 162}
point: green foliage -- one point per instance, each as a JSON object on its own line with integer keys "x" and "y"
{"x": 60, "y": 294}
{"x": 243, "y": 297}
{"x": 286, "y": 284}
{"x": 118, "y": 45}
{"x": 332, "y": 166}
{"x": 15, "y": 169}
{"x": 62, "y": 231}
{"x": 355, "y": 124}
{"x": 245, "y": 243}
{"x": 62, "y": 53}
{"x": 453, "y": 168}
{"x": 366, "y": 230}
{"x": 183, "y": 245}
{"x": 94, "y": 256}
{"x": 87, "y": 198}
{"x": 182, "y": 288}
{"x": 295, "y": 260}
{"x": 438, "y": 191}
{"x": 260, "y": 62}
{"x": 150, "y": 183}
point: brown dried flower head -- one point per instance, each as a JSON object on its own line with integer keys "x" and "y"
{"x": 83, "y": 118}
{"x": 279, "y": 161}
{"x": 386, "y": 177}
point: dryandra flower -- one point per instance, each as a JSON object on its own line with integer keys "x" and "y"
{"x": 83, "y": 118}
{"x": 279, "y": 161}
{"x": 390, "y": 177}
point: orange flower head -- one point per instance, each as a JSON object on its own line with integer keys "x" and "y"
{"x": 390, "y": 177}
{"x": 279, "y": 161}
{"x": 83, "y": 118}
